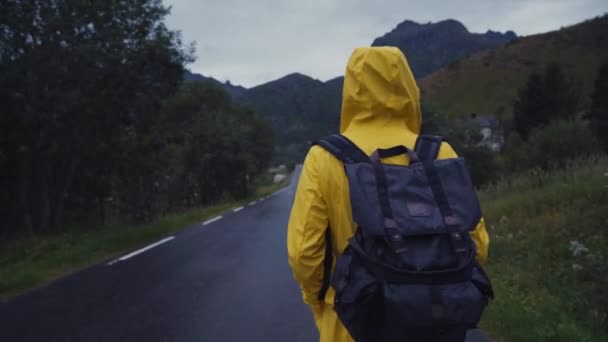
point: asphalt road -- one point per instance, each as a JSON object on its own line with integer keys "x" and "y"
{"x": 225, "y": 280}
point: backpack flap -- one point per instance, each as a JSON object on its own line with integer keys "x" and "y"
{"x": 413, "y": 203}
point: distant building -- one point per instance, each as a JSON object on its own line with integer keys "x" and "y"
{"x": 491, "y": 130}
{"x": 279, "y": 178}
{"x": 278, "y": 169}
{"x": 278, "y": 173}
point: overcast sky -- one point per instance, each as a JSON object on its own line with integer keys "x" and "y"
{"x": 250, "y": 42}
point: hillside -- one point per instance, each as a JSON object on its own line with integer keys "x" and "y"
{"x": 298, "y": 108}
{"x": 487, "y": 82}
{"x": 431, "y": 46}
{"x": 302, "y": 109}
{"x": 548, "y": 254}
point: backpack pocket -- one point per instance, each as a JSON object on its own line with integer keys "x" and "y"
{"x": 375, "y": 310}
{"x": 359, "y": 300}
{"x": 419, "y": 306}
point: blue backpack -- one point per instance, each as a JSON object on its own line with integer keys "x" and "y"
{"x": 409, "y": 272}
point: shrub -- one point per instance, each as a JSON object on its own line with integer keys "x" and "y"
{"x": 552, "y": 146}
{"x": 559, "y": 142}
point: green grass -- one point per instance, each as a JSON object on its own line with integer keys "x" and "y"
{"x": 548, "y": 254}
{"x": 27, "y": 263}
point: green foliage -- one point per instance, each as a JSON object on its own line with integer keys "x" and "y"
{"x": 548, "y": 254}
{"x": 75, "y": 78}
{"x": 599, "y": 107}
{"x": 544, "y": 98}
{"x": 95, "y": 128}
{"x": 483, "y": 164}
{"x": 200, "y": 150}
{"x": 552, "y": 146}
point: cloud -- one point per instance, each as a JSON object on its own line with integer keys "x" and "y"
{"x": 252, "y": 42}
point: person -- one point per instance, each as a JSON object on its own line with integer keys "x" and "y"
{"x": 380, "y": 109}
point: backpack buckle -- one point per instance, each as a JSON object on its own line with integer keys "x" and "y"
{"x": 398, "y": 243}
{"x": 394, "y": 237}
{"x": 459, "y": 243}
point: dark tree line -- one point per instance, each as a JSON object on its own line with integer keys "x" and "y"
{"x": 95, "y": 125}
{"x": 598, "y": 114}
{"x": 546, "y": 97}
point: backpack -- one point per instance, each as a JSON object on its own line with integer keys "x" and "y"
{"x": 409, "y": 272}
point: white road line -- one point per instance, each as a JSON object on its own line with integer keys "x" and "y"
{"x": 253, "y": 203}
{"x": 139, "y": 251}
{"x": 238, "y": 209}
{"x": 212, "y": 220}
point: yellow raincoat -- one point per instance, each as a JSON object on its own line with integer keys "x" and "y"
{"x": 380, "y": 109}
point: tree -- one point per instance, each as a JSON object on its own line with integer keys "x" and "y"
{"x": 599, "y": 107}
{"x": 219, "y": 148}
{"x": 433, "y": 121}
{"x": 545, "y": 97}
{"x": 75, "y": 78}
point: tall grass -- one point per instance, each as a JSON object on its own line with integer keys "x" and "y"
{"x": 549, "y": 254}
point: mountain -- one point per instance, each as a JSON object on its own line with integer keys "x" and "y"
{"x": 303, "y": 109}
{"x": 288, "y": 100}
{"x": 487, "y": 82}
{"x": 299, "y": 109}
{"x": 431, "y": 46}
{"x": 458, "y": 72}
{"x": 234, "y": 91}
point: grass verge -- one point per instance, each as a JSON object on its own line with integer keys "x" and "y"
{"x": 27, "y": 263}
{"x": 548, "y": 254}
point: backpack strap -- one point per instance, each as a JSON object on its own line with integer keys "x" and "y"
{"x": 348, "y": 153}
{"x": 343, "y": 149}
{"x": 428, "y": 146}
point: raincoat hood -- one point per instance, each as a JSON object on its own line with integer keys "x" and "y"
{"x": 379, "y": 92}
